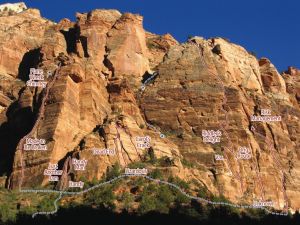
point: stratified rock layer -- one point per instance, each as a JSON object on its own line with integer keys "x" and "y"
{"x": 106, "y": 94}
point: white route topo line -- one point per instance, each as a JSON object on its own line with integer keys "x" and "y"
{"x": 51, "y": 212}
{"x": 143, "y": 87}
{"x": 61, "y": 193}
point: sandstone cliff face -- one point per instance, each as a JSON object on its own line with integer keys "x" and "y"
{"x": 104, "y": 94}
{"x": 237, "y": 86}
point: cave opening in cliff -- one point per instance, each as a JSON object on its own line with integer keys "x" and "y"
{"x": 30, "y": 60}
{"x": 71, "y": 37}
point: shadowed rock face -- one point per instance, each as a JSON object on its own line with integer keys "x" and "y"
{"x": 95, "y": 101}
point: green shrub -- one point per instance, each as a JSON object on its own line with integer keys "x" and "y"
{"x": 46, "y": 204}
{"x": 113, "y": 171}
{"x": 102, "y": 198}
{"x": 181, "y": 183}
{"x": 156, "y": 174}
{"x": 220, "y": 198}
{"x": 135, "y": 165}
{"x": 169, "y": 133}
{"x": 181, "y": 198}
{"x": 148, "y": 203}
{"x": 203, "y": 192}
{"x": 156, "y": 198}
{"x": 150, "y": 189}
{"x": 93, "y": 182}
{"x": 165, "y": 195}
{"x": 7, "y": 214}
{"x": 151, "y": 45}
{"x": 224, "y": 209}
{"x": 187, "y": 163}
{"x": 127, "y": 200}
{"x": 255, "y": 213}
{"x": 165, "y": 161}
{"x": 138, "y": 181}
{"x": 152, "y": 156}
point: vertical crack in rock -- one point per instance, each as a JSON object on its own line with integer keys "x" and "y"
{"x": 84, "y": 43}
{"x": 107, "y": 63}
{"x": 273, "y": 138}
{"x": 71, "y": 37}
{"x": 66, "y": 168}
{"x": 105, "y": 56}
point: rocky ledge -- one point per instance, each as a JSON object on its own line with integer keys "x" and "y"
{"x": 117, "y": 94}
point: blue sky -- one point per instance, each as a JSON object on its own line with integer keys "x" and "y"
{"x": 268, "y": 28}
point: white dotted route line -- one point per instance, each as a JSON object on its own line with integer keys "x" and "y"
{"x": 143, "y": 87}
{"x": 51, "y": 212}
{"x": 61, "y": 193}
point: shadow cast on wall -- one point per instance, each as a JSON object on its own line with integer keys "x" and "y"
{"x": 30, "y": 60}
